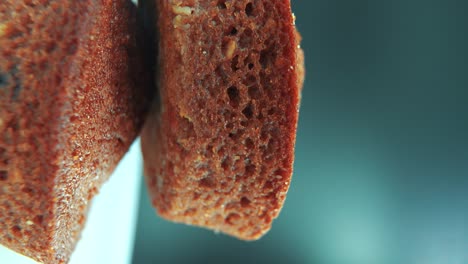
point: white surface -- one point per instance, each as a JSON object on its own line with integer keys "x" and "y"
{"x": 109, "y": 232}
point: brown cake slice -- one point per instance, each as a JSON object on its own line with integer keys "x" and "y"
{"x": 72, "y": 100}
{"x": 219, "y": 148}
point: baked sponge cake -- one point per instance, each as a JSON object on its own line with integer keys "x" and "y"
{"x": 219, "y": 146}
{"x": 72, "y": 100}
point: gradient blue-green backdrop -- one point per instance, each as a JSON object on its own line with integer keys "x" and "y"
{"x": 381, "y": 172}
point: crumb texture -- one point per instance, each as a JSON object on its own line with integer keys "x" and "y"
{"x": 70, "y": 106}
{"x": 219, "y": 151}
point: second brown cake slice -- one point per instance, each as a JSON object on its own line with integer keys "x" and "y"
{"x": 219, "y": 149}
{"x": 72, "y": 100}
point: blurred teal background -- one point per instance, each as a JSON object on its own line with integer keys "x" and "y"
{"x": 381, "y": 172}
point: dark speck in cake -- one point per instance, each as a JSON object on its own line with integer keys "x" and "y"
{"x": 3, "y": 80}
{"x": 17, "y": 84}
{"x": 16, "y": 91}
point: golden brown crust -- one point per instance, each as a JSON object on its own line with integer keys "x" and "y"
{"x": 219, "y": 151}
{"x": 71, "y": 103}
{"x": 300, "y": 64}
